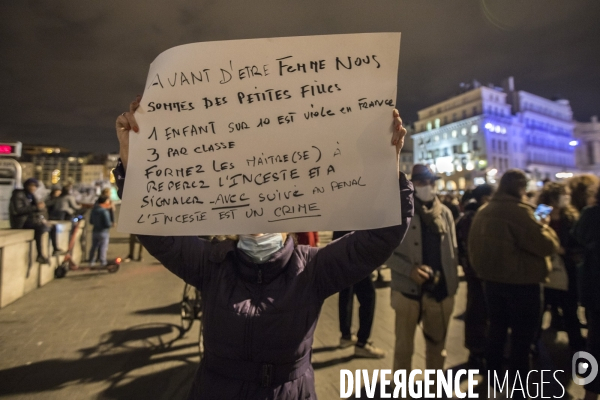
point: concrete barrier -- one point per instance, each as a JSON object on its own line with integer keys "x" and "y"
{"x": 19, "y": 272}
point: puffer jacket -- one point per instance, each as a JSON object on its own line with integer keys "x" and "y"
{"x": 259, "y": 319}
{"x": 508, "y": 245}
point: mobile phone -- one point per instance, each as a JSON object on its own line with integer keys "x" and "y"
{"x": 542, "y": 211}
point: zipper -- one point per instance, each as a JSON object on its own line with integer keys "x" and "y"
{"x": 251, "y": 313}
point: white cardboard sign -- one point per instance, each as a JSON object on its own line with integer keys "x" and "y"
{"x": 266, "y": 135}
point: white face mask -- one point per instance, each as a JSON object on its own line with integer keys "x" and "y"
{"x": 260, "y": 248}
{"x": 564, "y": 200}
{"x": 425, "y": 193}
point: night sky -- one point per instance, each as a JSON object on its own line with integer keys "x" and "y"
{"x": 68, "y": 68}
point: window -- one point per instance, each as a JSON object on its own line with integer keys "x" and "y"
{"x": 454, "y": 134}
{"x": 474, "y": 129}
{"x": 505, "y": 147}
{"x": 465, "y": 147}
{"x": 464, "y": 114}
{"x": 437, "y": 138}
{"x": 437, "y": 122}
{"x": 455, "y": 149}
{"x": 475, "y": 145}
{"x": 454, "y": 117}
{"x": 590, "y": 153}
{"x": 463, "y": 131}
{"x": 494, "y": 162}
{"x": 445, "y": 120}
{"x": 445, "y": 135}
{"x": 494, "y": 144}
{"x": 475, "y": 110}
{"x": 429, "y": 126}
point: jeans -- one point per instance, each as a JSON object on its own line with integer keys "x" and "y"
{"x": 100, "y": 245}
{"x": 365, "y": 293}
{"x": 517, "y": 307}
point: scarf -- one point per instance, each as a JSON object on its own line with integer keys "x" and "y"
{"x": 431, "y": 217}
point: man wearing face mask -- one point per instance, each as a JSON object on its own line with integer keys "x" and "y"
{"x": 424, "y": 275}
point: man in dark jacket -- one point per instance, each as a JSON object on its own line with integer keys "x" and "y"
{"x": 26, "y": 213}
{"x": 476, "y": 319}
{"x": 100, "y": 219}
{"x": 510, "y": 251}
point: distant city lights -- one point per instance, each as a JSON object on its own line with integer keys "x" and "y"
{"x": 495, "y": 128}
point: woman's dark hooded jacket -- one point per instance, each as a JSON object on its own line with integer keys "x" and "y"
{"x": 259, "y": 319}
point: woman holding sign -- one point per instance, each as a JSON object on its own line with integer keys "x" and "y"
{"x": 263, "y": 295}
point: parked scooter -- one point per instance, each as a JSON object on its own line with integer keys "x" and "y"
{"x": 69, "y": 265}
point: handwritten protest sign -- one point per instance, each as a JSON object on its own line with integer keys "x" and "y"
{"x": 266, "y": 135}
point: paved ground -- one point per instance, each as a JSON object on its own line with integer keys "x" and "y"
{"x": 116, "y": 336}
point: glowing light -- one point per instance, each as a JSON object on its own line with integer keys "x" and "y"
{"x": 497, "y": 129}
{"x": 459, "y": 168}
{"x": 463, "y": 131}
{"x": 492, "y": 172}
{"x": 489, "y": 126}
{"x": 470, "y": 166}
{"x": 474, "y": 129}
{"x": 573, "y": 143}
{"x": 479, "y": 181}
{"x": 453, "y": 134}
{"x": 564, "y": 175}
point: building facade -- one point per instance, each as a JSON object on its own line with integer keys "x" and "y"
{"x": 475, "y": 136}
{"x": 587, "y": 135}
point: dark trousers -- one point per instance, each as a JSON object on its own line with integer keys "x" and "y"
{"x": 567, "y": 301}
{"x": 593, "y": 343}
{"x": 39, "y": 231}
{"x": 517, "y": 307}
{"x": 365, "y": 293}
{"x": 476, "y": 317}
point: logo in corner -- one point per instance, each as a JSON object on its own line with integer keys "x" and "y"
{"x": 584, "y": 368}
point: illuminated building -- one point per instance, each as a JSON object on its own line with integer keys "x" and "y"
{"x": 587, "y": 141}
{"x": 475, "y": 136}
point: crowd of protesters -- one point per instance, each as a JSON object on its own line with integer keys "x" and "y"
{"x": 28, "y": 211}
{"x": 517, "y": 264}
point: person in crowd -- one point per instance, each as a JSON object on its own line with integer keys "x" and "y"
{"x": 587, "y": 234}
{"x": 450, "y": 201}
{"x": 476, "y": 318}
{"x": 366, "y": 296}
{"x": 100, "y": 219}
{"x": 133, "y": 242}
{"x": 262, "y": 295}
{"x": 562, "y": 219}
{"x": 65, "y": 207}
{"x": 424, "y": 275}
{"x": 583, "y": 190}
{"x": 55, "y": 192}
{"x": 106, "y": 192}
{"x": 25, "y": 212}
{"x": 308, "y": 238}
{"x": 510, "y": 251}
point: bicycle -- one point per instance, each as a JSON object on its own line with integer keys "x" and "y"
{"x": 191, "y": 310}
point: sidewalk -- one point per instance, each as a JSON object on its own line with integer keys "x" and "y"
{"x": 94, "y": 335}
